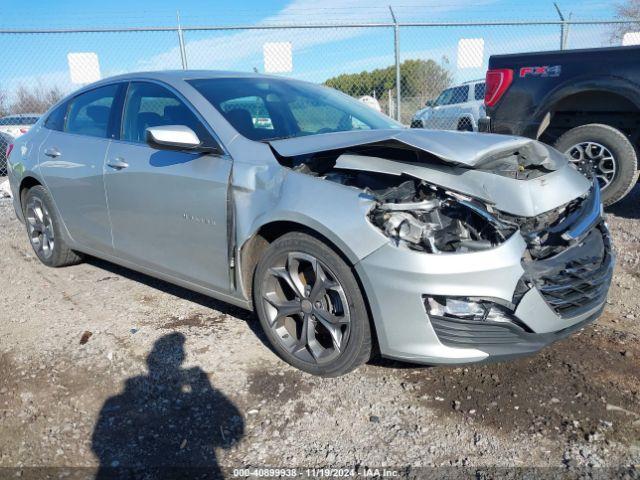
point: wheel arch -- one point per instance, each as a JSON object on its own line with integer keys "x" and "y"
{"x": 469, "y": 118}
{"x": 253, "y": 247}
{"x": 26, "y": 183}
{"x": 612, "y": 101}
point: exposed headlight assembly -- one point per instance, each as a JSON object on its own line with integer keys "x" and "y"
{"x": 466, "y": 309}
{"x": 426, "y": 218}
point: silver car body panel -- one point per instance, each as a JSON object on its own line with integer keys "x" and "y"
{"x": 185, "y": 218}
{"x": 522, "y": 198}
{"x": 457, "y": 148}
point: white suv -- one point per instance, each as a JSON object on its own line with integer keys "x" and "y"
{"x": 456, "y": 108}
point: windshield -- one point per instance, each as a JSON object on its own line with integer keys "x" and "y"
{"x": 268, "y": 109}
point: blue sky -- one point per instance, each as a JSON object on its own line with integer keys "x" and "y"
{"x": 317, "y": 54}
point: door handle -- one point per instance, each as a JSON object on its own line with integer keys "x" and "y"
{"x": 117, "y": 163}
{"x": 52, "y": 152}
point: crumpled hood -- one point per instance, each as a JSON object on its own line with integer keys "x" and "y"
{"x": 468, "y": 149}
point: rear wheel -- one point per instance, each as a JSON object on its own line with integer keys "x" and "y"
{"x": 310, "y": 306}
{"x": 43, "y": 228}
{"x": 603, "y": 152}
{"x": 465, "y": 125}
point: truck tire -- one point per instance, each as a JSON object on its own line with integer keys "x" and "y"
{"x": 602, "y": 151}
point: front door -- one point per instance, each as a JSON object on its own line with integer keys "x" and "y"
{"x": 168, "y": 209}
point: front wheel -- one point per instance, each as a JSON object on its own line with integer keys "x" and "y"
{"x": 603, "y": 152}
{"x": 310, "y": 306}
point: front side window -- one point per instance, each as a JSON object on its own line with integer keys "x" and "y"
{"x": 89, "y": 112}
{"x": 267, "y": 109}
{"x": 151, "y": 105}
{"x": 479, "y": 91}
{"x": 444, "y": 98}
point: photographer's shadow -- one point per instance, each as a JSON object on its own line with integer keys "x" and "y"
{"x": 167, "y": 423}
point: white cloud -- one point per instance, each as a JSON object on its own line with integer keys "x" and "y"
{"x": 241, "y": 49}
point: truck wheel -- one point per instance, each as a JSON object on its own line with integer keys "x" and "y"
{"x": 603, "y": 152}
{"x": 310, "y": 306}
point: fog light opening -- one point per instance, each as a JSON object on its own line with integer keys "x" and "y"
{"x": 467, "y": 309}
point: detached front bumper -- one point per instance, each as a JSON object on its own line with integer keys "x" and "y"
{"x": 397, "y": 280}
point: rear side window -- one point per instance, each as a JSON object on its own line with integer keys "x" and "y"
{"x": 151, "y": 105}
{"x": 89, "y": 112}
{"x": 55, "y": 120}
{"x": 478, "y": 91}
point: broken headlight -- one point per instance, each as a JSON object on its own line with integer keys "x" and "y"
{"x": 426, "y": 218}
{"x": 466, "y": 309}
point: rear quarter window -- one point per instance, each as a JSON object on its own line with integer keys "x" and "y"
{"x": 55, "y": 120}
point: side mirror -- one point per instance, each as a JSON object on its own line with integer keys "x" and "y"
{"x": 429, "y": 103}
{"x": 172, "y": 137}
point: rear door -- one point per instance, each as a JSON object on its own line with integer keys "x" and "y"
{"x": 168, "y": 208}
{"x": 71, "y": 161}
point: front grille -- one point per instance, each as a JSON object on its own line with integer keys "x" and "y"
{"x": 577, "y": 279}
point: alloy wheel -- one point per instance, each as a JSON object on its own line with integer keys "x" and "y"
{"x": 40, "y": 227}
{"x": 594, "y": 160}
{"x": 306, "y": 308}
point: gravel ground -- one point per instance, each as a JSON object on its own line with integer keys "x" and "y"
{"x": 100, "y": 365}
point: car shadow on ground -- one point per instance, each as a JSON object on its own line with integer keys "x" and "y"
{"x": 180, "y": 292}
{"x": 628, "y": 207}
{"x": 208, "y": 302}
{"x": 167, "y": 423}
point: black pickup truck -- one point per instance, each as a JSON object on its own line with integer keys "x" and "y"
{"x": 584, "y": 102}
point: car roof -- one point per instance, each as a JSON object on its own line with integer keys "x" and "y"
{"x": 171, "y": 76}
{"x": 187, "y": 75}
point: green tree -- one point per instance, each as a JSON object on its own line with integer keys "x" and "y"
{"x": 421, "y": 79}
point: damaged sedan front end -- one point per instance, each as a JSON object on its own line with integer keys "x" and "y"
{"x": 492, "y": 253}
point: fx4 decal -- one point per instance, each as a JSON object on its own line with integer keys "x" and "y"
{"x": 543, "y": 71}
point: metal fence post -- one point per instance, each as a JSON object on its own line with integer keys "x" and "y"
{"x": 183, "y": 51}
{"x": 396, "y": 48}
{"x": 563, "y": 28}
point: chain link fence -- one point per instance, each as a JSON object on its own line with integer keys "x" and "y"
{"x": 440, "y": 67}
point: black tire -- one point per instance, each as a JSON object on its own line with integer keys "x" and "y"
{"x": 624, "y": 154}
{"x": 358, "y": 336}
{"x": 465, "y": 125}
{"x": 59, "y": 255}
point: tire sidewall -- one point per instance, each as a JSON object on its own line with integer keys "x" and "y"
{"x": 621, "y": 148}
{"x": 41, "y": 193}
{"x": 360, "y": 333}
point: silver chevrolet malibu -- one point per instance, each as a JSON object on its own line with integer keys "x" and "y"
{"x": 346, "y": 232}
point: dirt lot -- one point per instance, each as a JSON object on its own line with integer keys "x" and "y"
{"x": 103, "y": 366}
